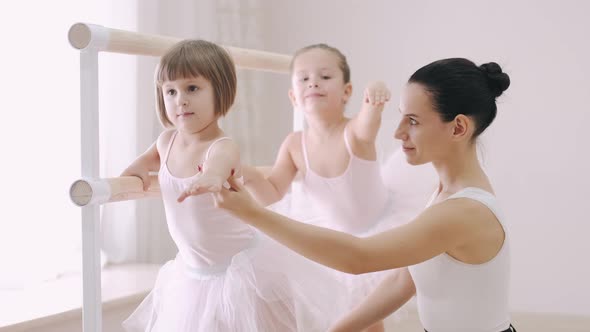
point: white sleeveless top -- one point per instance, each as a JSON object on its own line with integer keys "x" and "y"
{"x": 207, "y": 237}
{"x": 352, "y": 201}
{"x": 454, "y": 296}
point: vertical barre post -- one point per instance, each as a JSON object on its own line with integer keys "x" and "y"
{"x": 92, "y": 303}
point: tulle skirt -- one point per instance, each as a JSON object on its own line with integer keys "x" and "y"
{"x": 410, "y": 188}
{"x": 360, "y": 286}
{"x": 264, "y": 288}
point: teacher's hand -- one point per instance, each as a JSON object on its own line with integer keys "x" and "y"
{"x": 237, "y": 200}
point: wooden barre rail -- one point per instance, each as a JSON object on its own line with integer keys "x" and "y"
{"x": 99, "y": 191}
{"x": 124, "y": 188}
{"x": 84, "y": 36}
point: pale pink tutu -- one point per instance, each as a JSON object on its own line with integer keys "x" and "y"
{"x": 265, "y": 288}
{"x": 360, "y": 286}
{"x": 410, "y": 188}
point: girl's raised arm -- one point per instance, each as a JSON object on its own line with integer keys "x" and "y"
{"x": 366, "y": 124}
{"x": 269, "y": 189}
{"x": 222, "y": 161}
{"x": 147, "y": 162}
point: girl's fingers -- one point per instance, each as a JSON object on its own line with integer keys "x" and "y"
{"x": 214, "y": 188}
{"x": 182, "y": 197}
{"x": 146, "y": 182}
{"x": 187, "y": 193}
{"x": 235, "y": 184}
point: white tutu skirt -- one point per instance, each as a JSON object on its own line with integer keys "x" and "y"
{"x": 265, "y": 288}
{"x": 410, "y": 188}
{"x": 360, "y": 286}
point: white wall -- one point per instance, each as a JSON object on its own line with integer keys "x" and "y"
{"x": 536, "y": 152}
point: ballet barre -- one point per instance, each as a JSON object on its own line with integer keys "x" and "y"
{"x": 85, "y": 192}
{"x": 84, "y": 36}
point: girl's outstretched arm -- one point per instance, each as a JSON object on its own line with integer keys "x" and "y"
{"x": 366, "y": 124}
{"x": 147, "y": 162}
{"x": 223, "y": 160}
{"x": 270, "y": 189}
{"x": 393, "y": 292}
{"x": 437, "y": 230}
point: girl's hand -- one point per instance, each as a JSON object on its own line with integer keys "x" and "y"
{"x": 203, "y": 183}
{"x": 377, "y": 94}
{"x": 141, "y": 172}
{"x": 236, "y": 200}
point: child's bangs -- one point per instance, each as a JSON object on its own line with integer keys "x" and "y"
{"x": 178, "y": 67}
